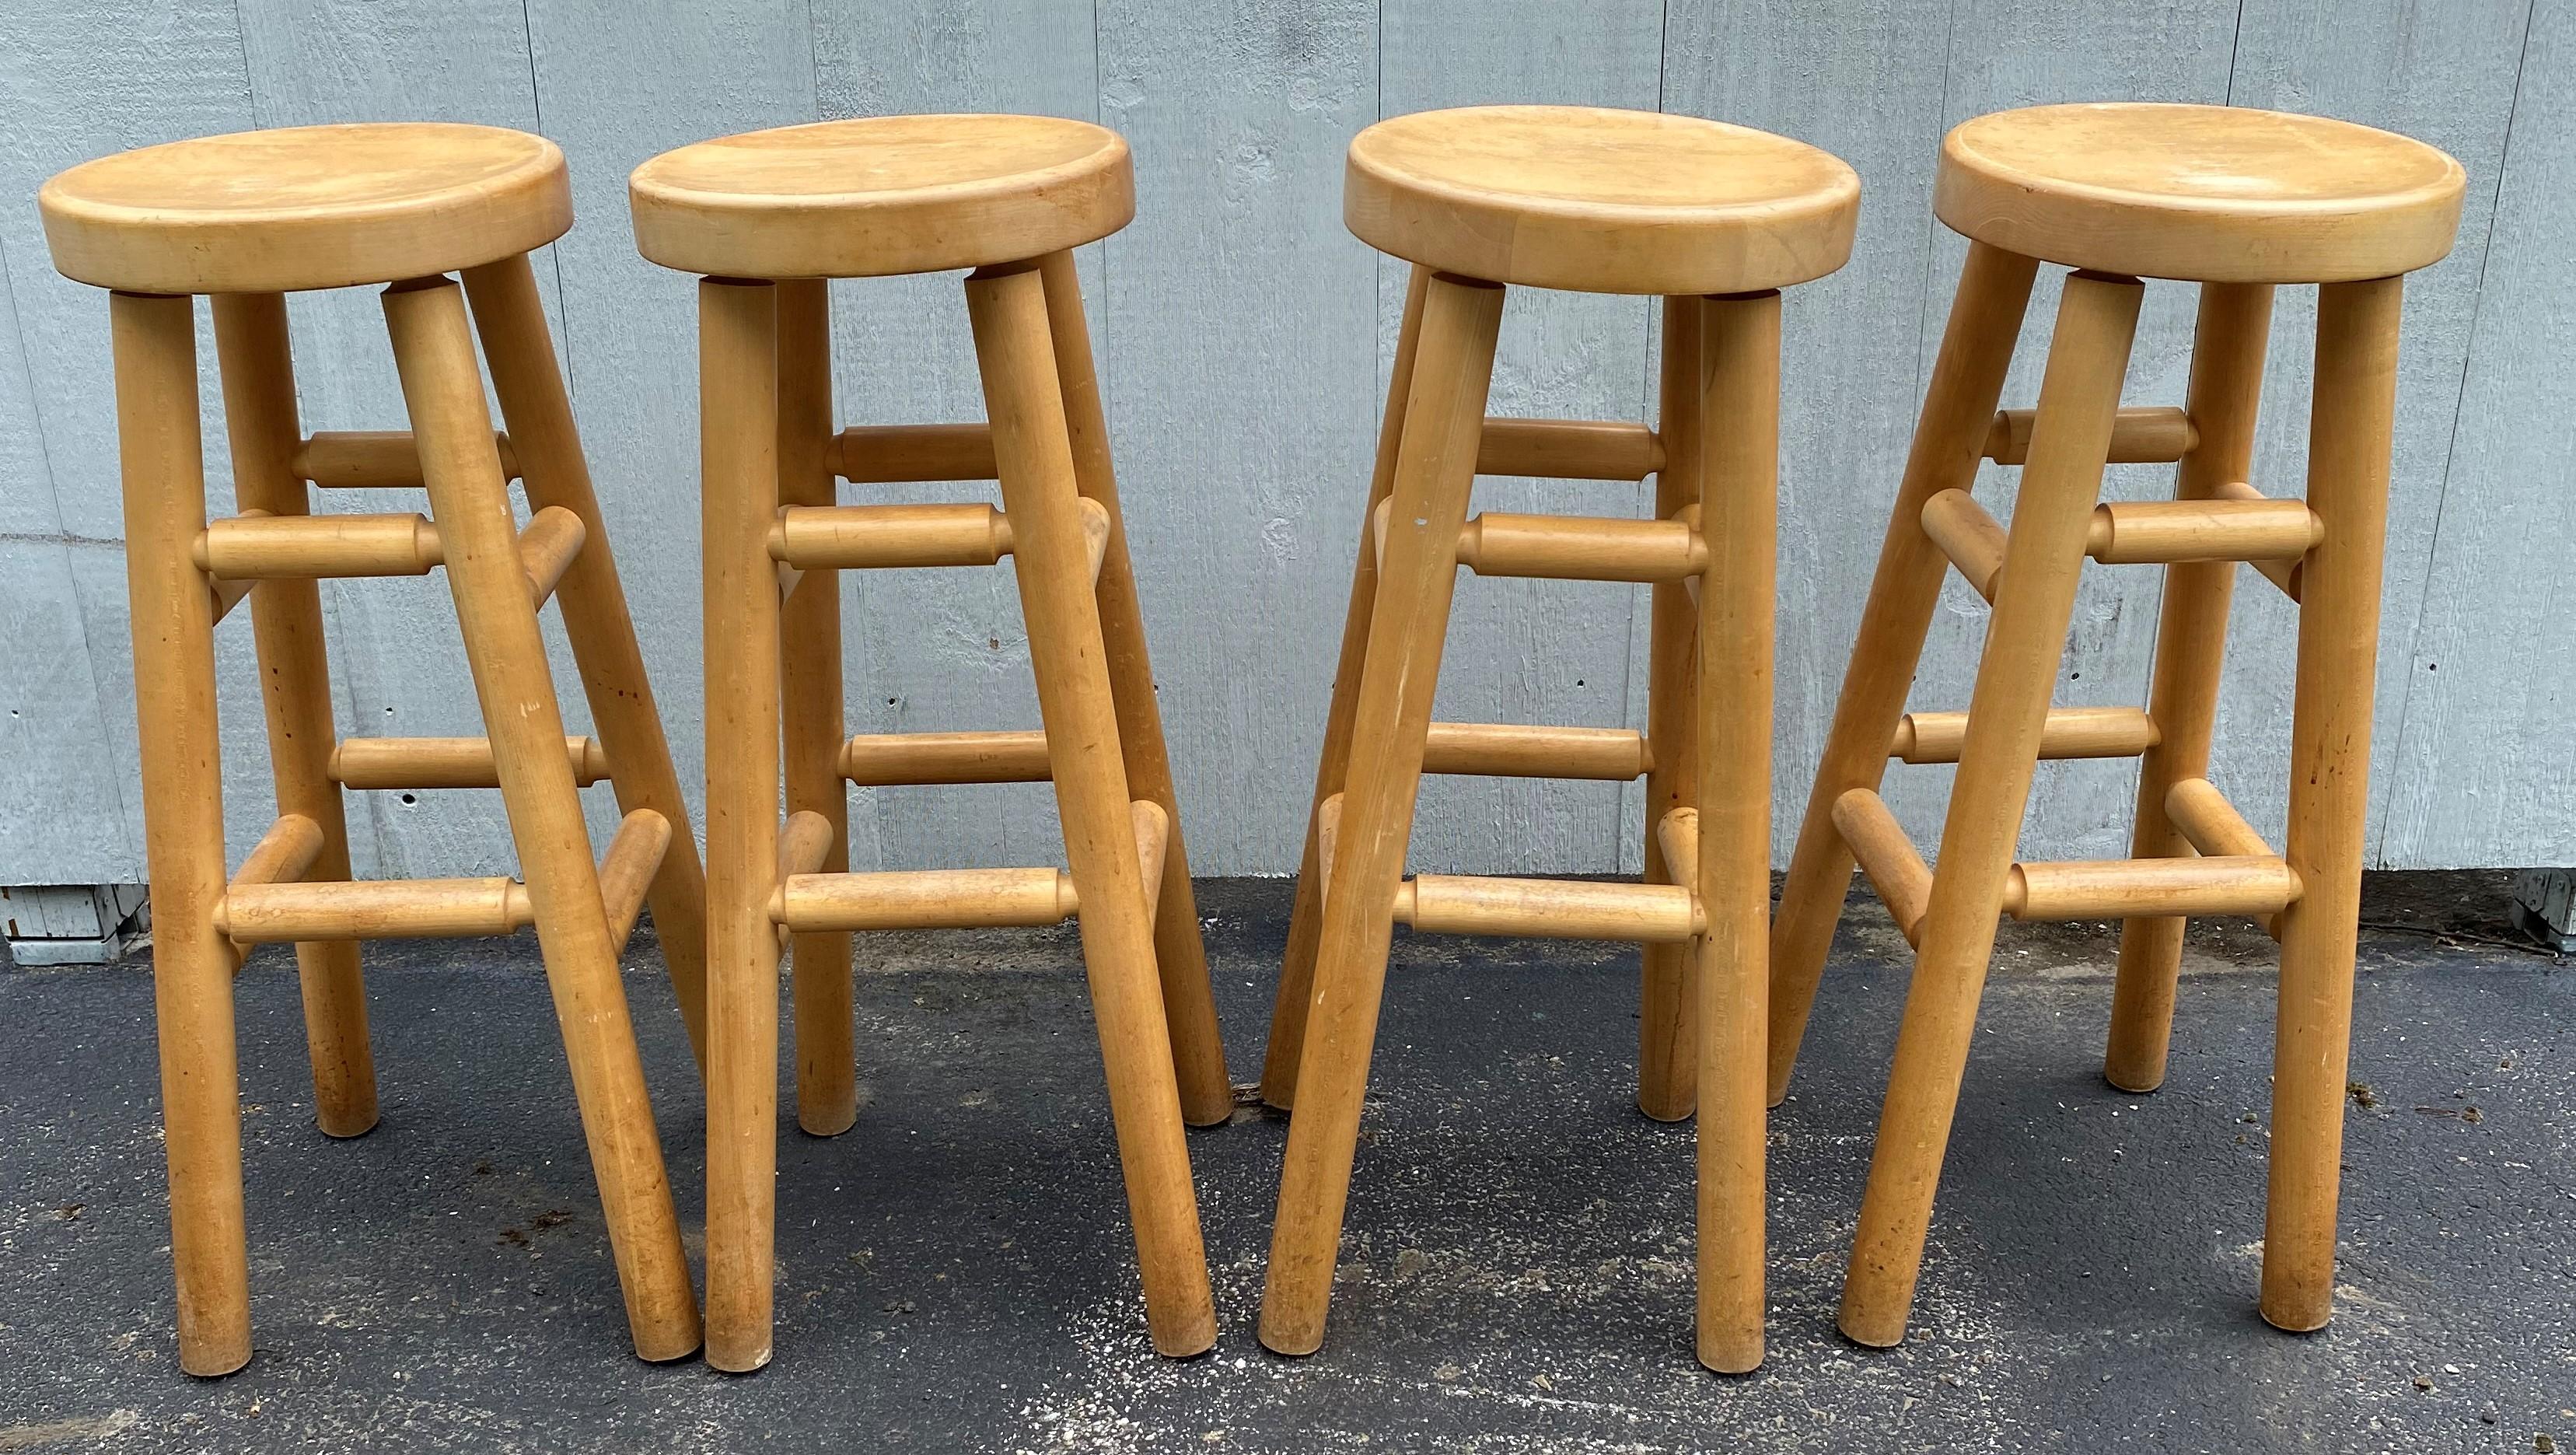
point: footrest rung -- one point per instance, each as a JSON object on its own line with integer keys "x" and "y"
{"x": 256, "y": 546}
{"x": 1887, "y": 856}
{"x": 1555, "y": 909}
{"x": 2238, "y": 524}
{"x": 1568, "y": 449}
{"x": 1571, "y": 547}
{"x": 1512, "y": 750}
{"x": 2142, "y": 888}
{"x": 2211, "y": 824}
{"x": 891, "y": 454}
{"x": 2285, "y": 574}
{"x": 384, "y": 909}
{"x": 376, "y": 459}
{"x": 884, "y": 760}
{"x": 626, "y": 871}
{"x": 893, "y": 537}
{"x": 2072, "y": 732}
{"x": 940, "y": 899}
{"x": 2141, "y": 435}
{"x": 554, "y": 536}
{"x": 283, "y": 855}
{"x": 444, "y": 762}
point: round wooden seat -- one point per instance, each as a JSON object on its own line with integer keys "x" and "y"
{"x": 2217, "y": 194}
{"x": 1596, "y": 200}
{"x": 882, "y": 195}
{"x": 306, "y": 207}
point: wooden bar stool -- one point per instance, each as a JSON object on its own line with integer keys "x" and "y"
{"x": 768, "y": 217}
{"x": 2239, "y": 201}
{"x": 1716, "y": 219}
{"x": 248, "y": 219}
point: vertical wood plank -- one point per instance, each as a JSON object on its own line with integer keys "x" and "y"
{"x": 2486, "y": 769}
{"x": 945, "y": 650}
{"x": 1522, "y": 650}
{"x": 1239, "y": 334}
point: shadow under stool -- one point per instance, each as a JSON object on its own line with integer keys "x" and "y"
{"x": 2239, "y": 201}
{"x": 768, "y": 217}
{"x": 1715, "y": 219}
{"x": 249, "y": 218}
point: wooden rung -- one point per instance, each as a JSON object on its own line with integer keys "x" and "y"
{"x": 375, "y": 459}
{"x": 2144, "y": 888}
{"x": 2134, "y": 532}
{"x": 2284, "y": 574}
{"x": 880, "y": 760}
{"x": 886, "y": 537}
{"x": 2211, "y": 824}
{"x": 1569, "y": 449}
{"x": 804, "y": 842}
{"x": 2147, "y": 435}
{"x": 927, "y": 899}
{"x": 229, "y": 594}
{"x": 553, "y": 537}
{"x": 443, "y": 762}
{"x": 886, "y": 454}
{"x": 1510, "y": 750}
{"x": 1571, "y": 547}
{"x": 2072, "y": 732}
{"x": 1887, "y": 856}
{"x": 259, "y": 546}
{"x": 1153, "y": 840}
{"x": 1554, "y": 909}
{"x": 1677, "y": 834}
{"x": 384, "y": 909}
{"x": 869, "y": 537}
{"x": 626, "y": 871}
{"x": 1972, "y": 539}
{"x": 1580, "y": 548}
{"x": 283, "y": 855}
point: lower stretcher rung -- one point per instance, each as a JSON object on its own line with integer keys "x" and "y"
{"x": 1556, "y": 909}
{"x": 2072, "y": 732}
{"x": 879, "y": 760}
{"x": 1511, "y": 750}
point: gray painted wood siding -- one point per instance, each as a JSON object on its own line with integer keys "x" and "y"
{"x": 1244, "y": 342}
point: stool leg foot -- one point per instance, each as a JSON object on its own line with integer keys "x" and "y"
{"x": 1740, "y": 362}
{"x": 461, "y": 469}
{"x": 1034, "y": 454}
{"x": 2348, "y": 464}
{"x": 2191, "y": 649}
{"x": 1967, "y": 379}
{"x": 295, "y": 686}
{"x": 738, "y": 407}
{"x": 1180, "y": 953}
{"x": 530, "y": 386}
{"x": 809, "y": 674}
{"x": 1668, "y": 1009}
{"x": 2025, "y": 639}
{"x": 1305, "y": 919}
{"x": 1434, "y": 473}
{"x": 160, "y": 452}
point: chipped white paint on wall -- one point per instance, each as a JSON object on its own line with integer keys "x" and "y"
{"x": 1245, "y": 340}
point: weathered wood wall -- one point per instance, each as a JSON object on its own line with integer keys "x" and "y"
{"x": 1245, "y": 340}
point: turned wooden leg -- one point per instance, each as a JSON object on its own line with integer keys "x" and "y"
{"x": 1306, "y": 917}
{"x": 809, "y": 675}
{"x": 530, "y": 386}
{"x": 1949, "y": 440}
{"x": 2191, "y": 650}
{"x": 1740, "y": 362}
{"x": 1034, "y": 454}
{"x": 2025, "y": 638}
{"x": 738, "y": 409}
{"x": 1435, "y": 471}
{"x": 461, "y": 469}
{"x": 1189, "y": 998}
{"x": 295, "y": 686}
{"x": 162, "y": 458}
{"x": 1668, "y": 1000}
{"x": 2348, "y": 449}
